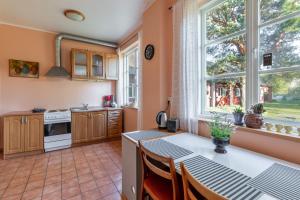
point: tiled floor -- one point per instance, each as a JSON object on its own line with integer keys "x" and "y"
{"x": 88, "y": 172}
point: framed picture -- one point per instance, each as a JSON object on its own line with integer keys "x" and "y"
{"x": 26, "y": 69}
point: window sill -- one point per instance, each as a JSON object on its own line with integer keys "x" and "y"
{"x": 291, "y": 137}
{"x": 131, "y": 107}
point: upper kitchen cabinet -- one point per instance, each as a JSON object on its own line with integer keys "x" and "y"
{"x": 97, "y": 69}
{"x": 80, "y": 64}
{"x": 112, "y": 67}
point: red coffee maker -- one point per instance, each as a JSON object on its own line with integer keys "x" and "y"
{"x": 109, "y": 101}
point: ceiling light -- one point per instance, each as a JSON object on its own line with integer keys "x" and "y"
{"x": 74, "y": 15}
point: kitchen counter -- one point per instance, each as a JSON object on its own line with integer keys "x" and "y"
{"x": 94, "y": 108}
{"x": 21, "y": 113}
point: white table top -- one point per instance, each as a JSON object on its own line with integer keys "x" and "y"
{"x": 244, "y": 161}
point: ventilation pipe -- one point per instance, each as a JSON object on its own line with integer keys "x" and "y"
{"x": 58, "y": 70}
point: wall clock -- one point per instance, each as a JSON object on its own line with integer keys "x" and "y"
{"x": 149, "y": 51}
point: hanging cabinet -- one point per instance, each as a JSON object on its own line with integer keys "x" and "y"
{"x": 80, "y": 64}
{"x": 112, "y": 67}
{"x": 97, "y": 69}
{"x": 90, "y": 65}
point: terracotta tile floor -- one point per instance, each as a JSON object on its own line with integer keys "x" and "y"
{"x": 88, "y": 172}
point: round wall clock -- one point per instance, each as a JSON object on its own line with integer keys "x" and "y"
{"x": 149, "y": 51}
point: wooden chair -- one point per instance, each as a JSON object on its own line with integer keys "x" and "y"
{"x": 160, "y": 183}
{"x": 190, "y": 185}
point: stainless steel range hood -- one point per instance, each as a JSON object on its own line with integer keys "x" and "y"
{"x": 58, "y": 70}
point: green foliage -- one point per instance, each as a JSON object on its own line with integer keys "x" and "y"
{"x": 257, "y": 108}
{"x": 220, "y": 128}
{"x": 238, "y": 110}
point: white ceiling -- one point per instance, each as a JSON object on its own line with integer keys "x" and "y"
{"x": 109, "y": 20}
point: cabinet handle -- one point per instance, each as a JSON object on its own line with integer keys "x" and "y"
{"x": 21, "y": 120}
{"x": 26, "y": 120}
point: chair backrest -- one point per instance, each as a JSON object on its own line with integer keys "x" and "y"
{"x": 189, "y": 181}
{"x": 147, "y": 164}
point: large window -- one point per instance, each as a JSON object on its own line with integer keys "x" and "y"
{"x": 234, "y": 71}
{"x": 224, "y": 51}
{"x": 131, "y": 76}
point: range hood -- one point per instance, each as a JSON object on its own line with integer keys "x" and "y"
{"x": 58, "y": 70}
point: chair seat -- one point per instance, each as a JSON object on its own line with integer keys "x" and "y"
{"x": 158, "y": 187}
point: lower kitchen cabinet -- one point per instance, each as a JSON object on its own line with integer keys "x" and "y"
{"x": 34, "y": 133}
{"x": 98, "y": 125}
{"x": 89, "y": 126}
{"x": 23, "y": 134}
{"x": 80, "y": 129}
{"x": 115, "y": 123}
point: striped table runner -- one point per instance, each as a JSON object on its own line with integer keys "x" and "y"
{"x": 166, "y": 149}
{"x": 145, "y": 135}
{"x": 223, "y": 180}
{"x": 279, "y": 181}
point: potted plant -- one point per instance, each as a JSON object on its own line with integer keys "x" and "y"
{"x": 238, "y": 115}
{"x": 254, "y": 118}
{"x": 220, "y": 130}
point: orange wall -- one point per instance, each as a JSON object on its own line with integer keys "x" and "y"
{"x": 24, "y": 93}
{"x": 130, "y": 119}
{"x": 272, "y": 145}
{"x": 157, "y": 30}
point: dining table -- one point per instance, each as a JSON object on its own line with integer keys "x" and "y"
{"x": 239, "y": 174}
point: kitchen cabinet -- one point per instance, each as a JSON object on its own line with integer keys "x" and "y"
{"x": 80, "y": 123}
{"x": 98, "y": 125}
{"x": 89, "y": 126}
{"x": 34, "y": 133}
{"x": 80, "y": 64}
{"x": 23, "y": 133}
{"x": 115, "y": 123}
{"x": 90, "y": 65}
{"x": 112, "y": 67}
{"x": 96, "y": 68}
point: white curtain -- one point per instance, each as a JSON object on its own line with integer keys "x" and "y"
{"x": 186, "y": 71}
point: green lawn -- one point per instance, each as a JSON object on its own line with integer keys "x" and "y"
{"x": 287, "y": 110}
{"x": 283, "y": 110}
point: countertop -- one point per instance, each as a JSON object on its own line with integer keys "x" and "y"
{"x": 94, "y": 108}
{"x": 21, "y": 113}
{"x": 29, "y": 112}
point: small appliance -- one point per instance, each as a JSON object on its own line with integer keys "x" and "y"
{"x": 173, "y": 125}
{"x": 161, "y": 119}
{"x": 109, "y": 101}
{"x": 57, "y": 129}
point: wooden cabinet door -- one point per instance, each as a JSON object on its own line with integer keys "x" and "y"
{"x": 80, "y": 127}
{"x": 98, "y": 125}
{"x": 13, "y": 135}
{"x": 80, "y": 64}
{"x": 115, "y": 123}
{"x": 112, "y": 67}
{"x": 34, "y": 133}
{"x": 96, "y": 68}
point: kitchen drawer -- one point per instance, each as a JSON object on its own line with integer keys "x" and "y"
{"x": 114, "y": 113}
{"x": 112, "y": 132}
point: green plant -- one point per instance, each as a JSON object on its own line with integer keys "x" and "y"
{"x": 257, "y": 108}
{"x": 220, "y": 127}
{"x": 238, "y": 110}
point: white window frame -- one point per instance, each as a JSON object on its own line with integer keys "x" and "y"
{"x": 133, "y": 48}
{"x": 252, "y": 72}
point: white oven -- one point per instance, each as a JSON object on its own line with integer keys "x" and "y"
{"x": 57, "y": 130}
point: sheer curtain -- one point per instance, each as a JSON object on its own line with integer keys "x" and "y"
{"x": 186, "y": 71}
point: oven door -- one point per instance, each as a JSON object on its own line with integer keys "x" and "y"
{"x": 57, "y": 129}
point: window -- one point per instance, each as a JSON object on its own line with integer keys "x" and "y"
{"x": 279, "y": 34}
{"x": 224, "y": 50}
{"x": 131, "y": 77}
{"x": 234, "y": 71}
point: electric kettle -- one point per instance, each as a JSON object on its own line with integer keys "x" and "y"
{"x": 161, "y": 119}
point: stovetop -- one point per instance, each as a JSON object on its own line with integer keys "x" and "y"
{"x": 58, "y": 115}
